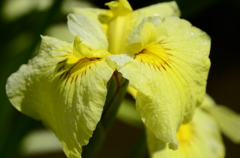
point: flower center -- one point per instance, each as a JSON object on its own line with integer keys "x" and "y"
{"x": 70, "y": 68}
{"x": 154, "y": 54}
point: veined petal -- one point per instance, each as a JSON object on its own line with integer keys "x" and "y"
{"x": 188, "y": 48}
{"x": 90, "y": 33}
{"x": 65, "y": 92}
{"x": 199, "y": 138}
{"x": 170, "y": 76}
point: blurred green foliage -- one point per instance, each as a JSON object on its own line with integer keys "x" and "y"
{"x": 19, "y": 40}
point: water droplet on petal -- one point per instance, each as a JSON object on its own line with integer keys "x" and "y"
{"x": 152, "y": 61}
{"x": 192, "y": 33}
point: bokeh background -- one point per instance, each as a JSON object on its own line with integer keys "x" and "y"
{"x": 22, "y": 21}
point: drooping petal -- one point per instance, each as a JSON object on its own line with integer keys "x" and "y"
{"x": 65, "y": 92}
{"x": 188, "y": 49}
{"x": 91, "y": 34}
{"x": 199, "y": 138}
{"x": 170, "y": 76}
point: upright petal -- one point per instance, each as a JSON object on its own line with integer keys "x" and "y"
{"x": 100, "y": 16}
{"x": 199, "y": 138}
{"x": 90, "y": 33}
{"x": 170, "y": 76}
{"x": 65, "y": 92}
{"x": 119, "y": 25}
{"x": 161, "y": 9}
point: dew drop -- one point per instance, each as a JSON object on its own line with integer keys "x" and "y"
{"x": 156, "y": 14}
{"x": 192, "y": 33}
{"x": 152, "y": 61}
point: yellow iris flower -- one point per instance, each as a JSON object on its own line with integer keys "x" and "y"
{"x": 164, "y": 57}
{"x": 202, "y": 136}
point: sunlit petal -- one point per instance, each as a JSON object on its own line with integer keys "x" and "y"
{"x": 65, "y": 92}
{"x": 90, "y": 33}
{"x": 99, "y": 16}
{"x": 169, "y": 74}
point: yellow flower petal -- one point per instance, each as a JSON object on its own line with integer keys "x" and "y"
{"x": 65, "y": 92}
{"x": 161, "y": 9}
{"x": 228, "y": 120}
{"x": 81, "y": 50}
{"x": 119, "y": 25}
{"x": 199, "y": 138}
{"x": 132, "y": 91}
{"x": 170, "y": 75}
{"x": 120, "y": 20}
{"x": 208, "y": 102}
{"x": 100, "y": 16}
{"x": 120, "y": 7}
{"x": 90, "y": 33}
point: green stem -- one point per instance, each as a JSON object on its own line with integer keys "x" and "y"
{"x": 116, "y": 92}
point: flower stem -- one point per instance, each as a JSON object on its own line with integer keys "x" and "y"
{"x": 116, "y": 92}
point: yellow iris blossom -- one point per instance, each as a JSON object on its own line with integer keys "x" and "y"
{"x": 202, "y": 136}
{"x": 164, "y": 57}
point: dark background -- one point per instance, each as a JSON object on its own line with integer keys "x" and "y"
{"x": 219, "y": 18}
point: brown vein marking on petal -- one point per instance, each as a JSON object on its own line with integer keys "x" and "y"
{"x": 70, "y": 68}
{"x": 155, "y": 55}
